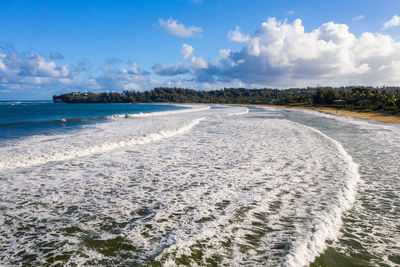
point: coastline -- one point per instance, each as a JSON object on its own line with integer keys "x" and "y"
{"x": 366, "y": 115}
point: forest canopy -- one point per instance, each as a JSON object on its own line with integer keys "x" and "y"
{"x": 383, "y": 98}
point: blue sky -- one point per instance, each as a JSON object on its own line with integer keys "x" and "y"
{"x": 50, "y": 47}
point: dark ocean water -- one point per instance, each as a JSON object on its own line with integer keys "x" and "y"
{"x": 25, "y": 118}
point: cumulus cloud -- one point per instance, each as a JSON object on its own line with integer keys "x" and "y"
{"x": 393, "y": 22}
{"x": 34, "y": 75}
{"x": 30, "y": 68}
{"x": 281, "y": 51}
{"x": 31, "y": 75}
{"x": 173, "y": 27}
{"x": 283, "y": 54}
{"x": 358, "y": 18}
{"x": 192, "y": 64}
{"x": 236, "y": 35}
{"x": 116, "y": 77}
{"x": 186, "y": 51}
{"x": 277, "y": 54}
{"x": 198, "y": 63}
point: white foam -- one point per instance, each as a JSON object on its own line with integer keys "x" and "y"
{"x": 74, "y": 152}
{"x": 242, "y": 188}
{"x": 212, "y": 231}
{"x": 160, "y": 113}
{"x": 327, "y": 225}
{"x": 246, "y": 110}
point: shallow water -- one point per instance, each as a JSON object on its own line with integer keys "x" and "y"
{"x": 220, "y": 186}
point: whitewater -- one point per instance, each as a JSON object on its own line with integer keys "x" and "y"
{"x": 205, "y": 185}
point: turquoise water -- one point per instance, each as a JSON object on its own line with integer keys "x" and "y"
{"x": 24, "y": 118}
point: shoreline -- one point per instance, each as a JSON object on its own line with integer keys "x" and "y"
{"x": 366, "y": 115}
{"x": 380, "y": 116}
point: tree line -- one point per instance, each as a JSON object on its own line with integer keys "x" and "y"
{"x": 356, "y": 97}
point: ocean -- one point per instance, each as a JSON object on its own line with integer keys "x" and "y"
{"x": 165, "y": 185}
{"x": 25, "y": 118}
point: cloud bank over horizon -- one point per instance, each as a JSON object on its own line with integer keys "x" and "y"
{"x": 278, "y": 54}
{"x": 282, "y": 54}
{"x": 31, "y": 72}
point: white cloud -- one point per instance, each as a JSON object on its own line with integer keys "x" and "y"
{"x": 173, "y": 27}
{"x": 285, "y": 52}
{"x": 198, "y": 63}
{"x": 186, "y": 51}
{"x": 31, "y": 74}
{"x": 224, "y": 53}
{"x": 194, "y": 64}
{"x": 237, "y": 36}
{"x": 31, "y": 69}
{"x": 116, "y": 77}
{"x": 277, "y": 54}
{"x": 284, "y": 55}
{"x": 358, "y": 18}
{"x": 394, "y": 21}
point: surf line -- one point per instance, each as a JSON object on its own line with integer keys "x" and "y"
{"x": 238, "y": 113}
{"x": 159, "y": 113}
{"x": 32, "y": 160}
{"x": 328, "y": 224}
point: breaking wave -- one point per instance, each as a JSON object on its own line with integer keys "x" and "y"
{"x": 74, "y": 152}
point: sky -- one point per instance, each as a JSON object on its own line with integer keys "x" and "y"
{"x": 53, "y": 47}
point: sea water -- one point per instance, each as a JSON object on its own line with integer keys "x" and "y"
{"x": 204, "y": 185}
{"x": 25, "y": 118}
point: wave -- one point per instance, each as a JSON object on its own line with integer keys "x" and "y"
{"x": 75, "y": 152}
{"x": 327, "y": 225}
{"x": 50, "y": 122}
{"x": 13, "y": 103}
{"x": 159, "y": 113}
{"x": 238, "y": 113}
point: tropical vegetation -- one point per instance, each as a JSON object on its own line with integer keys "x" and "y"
{"x": 356, "y": 97}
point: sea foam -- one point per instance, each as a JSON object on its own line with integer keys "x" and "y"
{"x": 327, "y": 225}
{"x": 74, "y": 152}
{"x": 251, "y": 189}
